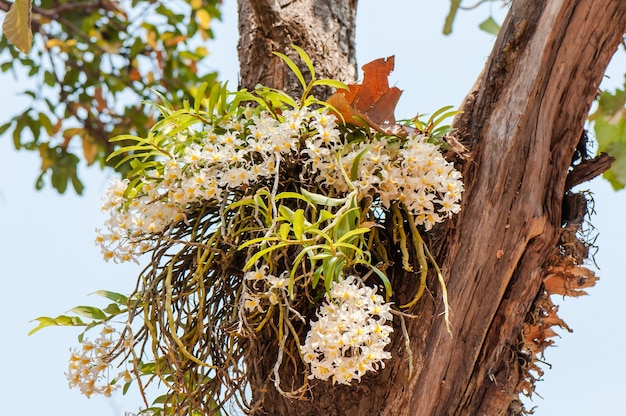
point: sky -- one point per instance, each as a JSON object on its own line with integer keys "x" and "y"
{"x": 50, "y": 263}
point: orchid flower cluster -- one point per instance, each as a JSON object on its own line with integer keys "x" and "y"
{"x": 232, "y": 154}
{"x": 350, "y": 335}
{"x": 89, "y": 365}
{"x": 241, "y": 152}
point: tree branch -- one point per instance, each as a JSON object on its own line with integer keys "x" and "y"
{"x": 588, "y": 169}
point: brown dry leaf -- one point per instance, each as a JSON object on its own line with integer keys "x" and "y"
{"x": 100, "y": 101}
{"x": 569, "y": 280}
{"x": 372, "y": 100}
{"x": 553, "y": 319}
{"x": 540, "y": 326}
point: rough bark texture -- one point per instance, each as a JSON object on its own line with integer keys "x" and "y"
{"x": 522, "y": 123}
{"x": 323, "y": 28}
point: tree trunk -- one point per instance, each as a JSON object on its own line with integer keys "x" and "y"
{"x": 324, "y": 29}
{"x": 521, "y": 124}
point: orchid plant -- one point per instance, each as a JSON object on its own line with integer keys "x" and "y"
{"x": 260, "y": 213}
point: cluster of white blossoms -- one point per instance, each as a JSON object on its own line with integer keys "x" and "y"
{"x": 229, "y": 156}
{"x": 411, "y": 171}
{"x": 262, "y": 288}
{"x": 350, "y": 335}
{"x": 240, "y": 152}
{"x": 89, "y": 367}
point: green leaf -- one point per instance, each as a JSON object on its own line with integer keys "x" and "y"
{"x": 112, "y": 309}
{"x": 608, "y": 133}
{"x": 48, "y": 79}
{"x": 77, "y": 184}
{"x": 46, "y": 123}
{"x": 298, "y": 223}
{"x": 89, "y": 312}
{"x": 352, "y": 233}
{"x": 332, "y": 267}
{"x": 617, "y": 174}
{"x": 200, "y": 96}
{"x": 115, "y": 297}
{"x": 354, "y": 172}
{"x": 490, "y": 26}
{"x": 316, "y": 276}
{"x": 286, "y": 213}
{"x": 322, "y": 199}
{"x": 294, "y": 68}
{"x": 262, "y": 253}
{"x": 383, "y": 277}
{"x": 331, "y": 83}
{"x": 294, "y": 195}
{"x": 16, "y": 25}
{"x": 61, "y": 320}
{"x": 306, "y": 59}
{"x": 284, "y": 229}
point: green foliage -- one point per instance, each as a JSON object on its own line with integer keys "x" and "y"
{"x": 433, "y": 126}
{"x": 489, "y": 25}
{"x": 91, "y": 67}
{"x": 609, "y": 124}
{"x": 336, "y": 240}
{"x": 95, "y": 315}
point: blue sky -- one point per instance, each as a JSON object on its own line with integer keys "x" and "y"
{"x": 50, "y": 263}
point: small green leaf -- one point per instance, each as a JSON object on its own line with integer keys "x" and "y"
{"x": 262, "y": 253}
{"x": 322, "y": 199}
{"x": 354, "y": 172}
{"x": 332, "y": 267}
{"x": 112, "y": 309}
{"x": 316, "y": 276}
{"x": 306, "y": 59}
{"x": 286, "y": 212}
{"x": 284, "y": 230}
{"x": 77, "y": 184}
{"x": 16, "y": 25}
{"x": 115, "y": 297}
{"x": 348, "y": 235}
{"x": 617, "y": 174}
{"x": 609, "y": 131}
{"x": 298, "y": 223}
{"x": 490, "y": 26}
{"x": 48, "y": 79}
{"x": 89, "y": 312}
{"x": 331, "y": 83}
{"x": 200, "y": 96}
{"x": 61, "y": 320}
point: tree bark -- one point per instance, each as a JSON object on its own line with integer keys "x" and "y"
{"x": 323, "y": 28}
{"x": 521, "y": 123}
